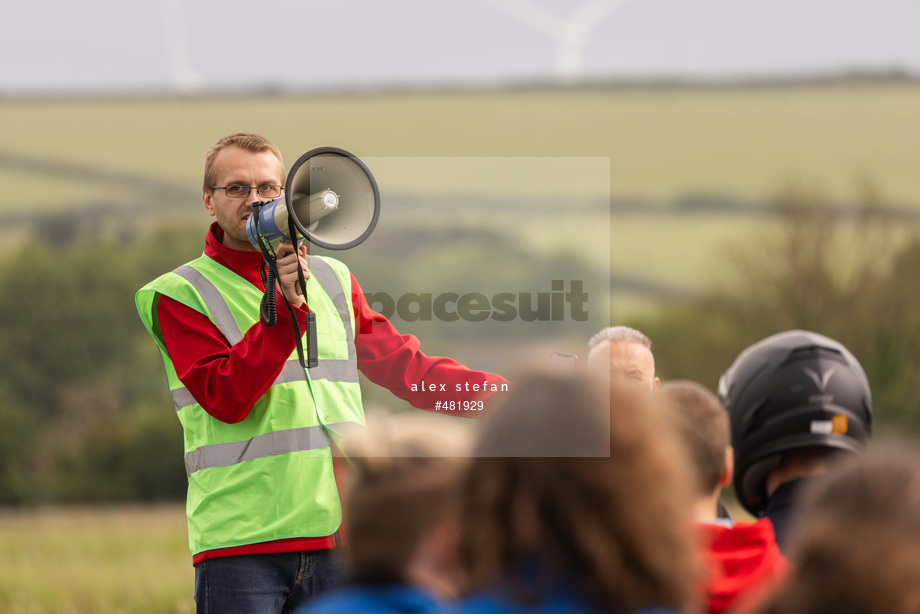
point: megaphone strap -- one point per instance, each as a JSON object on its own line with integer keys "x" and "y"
{"x": 312, "y": 350}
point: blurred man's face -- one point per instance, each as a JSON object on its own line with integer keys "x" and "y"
{"x": 627, "y": 361}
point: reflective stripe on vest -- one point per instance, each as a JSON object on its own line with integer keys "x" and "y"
{"x": 279, "y": 442}
{"x": 327, "y": 369}
{"x": 333, "y": 370}
{"x": 223, "y": 454}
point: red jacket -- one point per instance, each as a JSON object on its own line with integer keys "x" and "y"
{"x": 205, "y": 363}
{"x": 741, "y": 560}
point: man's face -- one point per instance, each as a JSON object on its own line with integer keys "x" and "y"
{"x": 235, "y": 166}
{"x": 627, "y": 361}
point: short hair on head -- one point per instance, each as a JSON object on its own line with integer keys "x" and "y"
{"x": 619, "y": 333}
{"x": 702, "y": 425}
{"x": 404, "y": 470}
{"x": 247, "y": 141}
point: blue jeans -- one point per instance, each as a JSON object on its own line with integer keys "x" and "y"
{"x": 265, "y": 583}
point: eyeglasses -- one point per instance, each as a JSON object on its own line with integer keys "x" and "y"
{"x": 242, "y": 191}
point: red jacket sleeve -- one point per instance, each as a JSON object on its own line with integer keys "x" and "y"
{"x": 394, "y": 361}
{"x": 227, "y": 381}
{"x": 210, "y": 368}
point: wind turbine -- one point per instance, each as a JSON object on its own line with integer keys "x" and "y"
{"x": 571, "y": 34}
{"x": 185, "y": 80}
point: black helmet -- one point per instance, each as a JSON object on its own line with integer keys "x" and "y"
{"x": 795, "y": 390}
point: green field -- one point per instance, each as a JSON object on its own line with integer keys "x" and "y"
{"x": 127, "y": 560}
{"x": 663, "y": 143}
{"x": 95, "y": 560}
{"x": 538, "y": 161}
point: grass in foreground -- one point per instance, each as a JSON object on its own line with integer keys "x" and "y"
{"x": 95, "y": 560}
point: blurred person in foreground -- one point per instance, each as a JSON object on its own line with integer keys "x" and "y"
{"x": 575, "y": 501}
{"x": 855, "y": 546}
{"x": 627, "y": 353}
{"x": 797, "y": 402}
{"x": 742, "y": 559}
{"x": 259, "y": 430}
{"x": 399, "y": 504}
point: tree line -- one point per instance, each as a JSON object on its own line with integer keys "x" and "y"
{"x": 83, "y": 402}
{"x": 851, "y": 274}
{"x": 86, "y": 416}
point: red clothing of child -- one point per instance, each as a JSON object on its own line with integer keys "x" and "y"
{"x": 742, "y": 559}
{"x": 204, "y": 360}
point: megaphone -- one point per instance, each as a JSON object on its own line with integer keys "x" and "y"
{"x": 331, "y": 198}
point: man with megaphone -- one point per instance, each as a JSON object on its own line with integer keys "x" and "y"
{"x": 259, "y": 421}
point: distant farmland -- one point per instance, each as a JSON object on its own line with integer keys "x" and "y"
{"x": 686, "y": 170}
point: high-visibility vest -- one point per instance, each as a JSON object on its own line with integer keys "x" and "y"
{"x": 269, "y": 476}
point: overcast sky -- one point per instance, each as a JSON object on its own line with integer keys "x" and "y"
{"x": 124, "y": 46}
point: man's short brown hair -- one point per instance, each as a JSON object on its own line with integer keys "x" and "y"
{"x": 702, "y": 424}
{"x": 247, "y": 141}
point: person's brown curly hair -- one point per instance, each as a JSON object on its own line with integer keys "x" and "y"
{"x": 856, "y": 542}
{"x": 583, "y": 478}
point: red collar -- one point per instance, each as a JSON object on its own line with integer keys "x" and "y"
{"x": 246, "y": 264}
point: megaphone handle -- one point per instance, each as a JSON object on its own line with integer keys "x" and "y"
{"x": 312, "y": 354}
{"x": 295, "y": 238}
{"x": 310, "y": 336}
